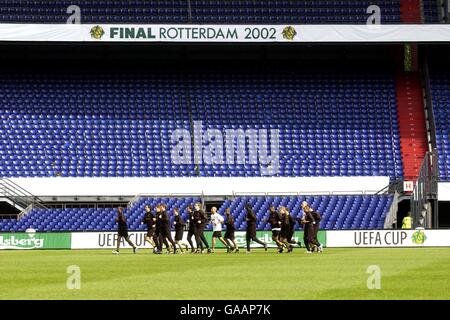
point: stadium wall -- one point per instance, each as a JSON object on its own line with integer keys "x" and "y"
{"x": 214, "y": 186}
{"x": 331, "y": 239}
{"x": 224, "y": 33}
{"x": 444, "y": 191}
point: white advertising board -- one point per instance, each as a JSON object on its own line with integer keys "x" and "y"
{"x": 388, "y": 238}
{"x": 224, "y": 33}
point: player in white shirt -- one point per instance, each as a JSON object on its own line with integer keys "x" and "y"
{"x": 216, "y": 221}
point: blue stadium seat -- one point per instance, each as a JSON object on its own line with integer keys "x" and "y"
{"x": 204, "y": 11}
{"x": 440, "y": 94}
{"x": 120, "y": 125}
{"x": 338, "y": 212}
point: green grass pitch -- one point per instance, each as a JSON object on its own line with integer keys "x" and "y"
{"x": 409, "y": 273}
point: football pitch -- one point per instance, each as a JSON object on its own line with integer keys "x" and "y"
{"x": 410, "y": 273}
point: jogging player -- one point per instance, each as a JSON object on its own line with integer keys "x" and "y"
{"x": 291, "y": 233}
{"x": 229, "y": 234}
{"x": 308, "y": 223}
{"x": 122, "y": 231}
{"x": 149, "y": 221}
{"x": 316, "y": 226}
{"x": 201, "y": 219}
{"x": 191, "y": 227}
{"x": 216, "y": 221}
{"x": 164, "y": 232}
{"x": 275, "y": 224}
{"x": 179, "y": 230}
{"x": 285, "y": 228}
{"x": 251, "y": 228}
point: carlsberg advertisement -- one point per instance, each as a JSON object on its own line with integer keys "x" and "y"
{"x": 32, "y": 240}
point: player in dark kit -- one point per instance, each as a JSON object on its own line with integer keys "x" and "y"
{"x": 291, "y": 233}
{"x": 201, "y": 220}
{"x": 157, "y": 234}
{"x": 179, "y": 229}
{"x": 229, "y": 233}
{"x": 316, "y": 226}
{"x": 285, "y": 228}
{"x": 251, "y": 228}
{"x": 275, "y": 224}
{"x": 122, "y": 231}
{"x": 149, "y": 221}
{"x": 308, "y": 226}
{"x": 164, "y": 231}
{"x": 191, "y": 227}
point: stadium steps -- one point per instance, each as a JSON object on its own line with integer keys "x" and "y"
{"x": 412, "y": 123}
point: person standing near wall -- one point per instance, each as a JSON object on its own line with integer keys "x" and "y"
{"x": 407, "y": 221}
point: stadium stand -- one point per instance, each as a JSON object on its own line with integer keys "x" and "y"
{"x": 201, "y": 11}
{"x": 120, "y": 125}
{"x": 440, "y": 93}
{"x": 96, "y": 125}
{"x": 338, "y": 212}
{"x": 431, "y": 11}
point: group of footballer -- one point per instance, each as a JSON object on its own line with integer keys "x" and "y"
{"x": 159, "y": 229}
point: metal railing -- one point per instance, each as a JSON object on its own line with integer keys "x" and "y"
{"x": 314, "y": 193}
{"x": 24, "y": 212}
{"x": 425, "y": 190}
{"x": 428, "y": 103}
{"x": 18, "y": 196}
{"x": 391, "y": 217}
{"x": 136, "y": 198}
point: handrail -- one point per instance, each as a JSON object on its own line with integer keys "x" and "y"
{"x": 395, "y": 185}
{"x": 18, "y": 195}
{"x": 25, "y": 211}
{"x": 391, "y": 217}
{"x": 16, "y": 186}
{"x": 425, "y": 189}
{"x": 391, "y": 127}
{"x": 308, "y": 193}
{"x": 428, "y": 104}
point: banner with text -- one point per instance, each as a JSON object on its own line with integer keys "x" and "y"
{"x": 108, "y": 240}
{"x": 224, "y": 33}
{"x": 343, "y": 238}
{"x": 388, "y": 238}
{"x": 30, "y": 241}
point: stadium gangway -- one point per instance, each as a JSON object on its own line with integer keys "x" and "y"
{"x": 19, "y": 197}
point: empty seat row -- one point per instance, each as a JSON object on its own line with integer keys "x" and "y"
{"x": 201, "y": 11}
{"x": 141, "y": 131}
{"x": 338, "y": 212}
{"x": 440, "y": 95}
